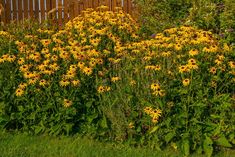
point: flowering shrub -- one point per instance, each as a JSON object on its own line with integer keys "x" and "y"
{"x": 97, "y": 77}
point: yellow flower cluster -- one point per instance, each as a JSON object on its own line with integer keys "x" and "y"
{"x": 157, "y": 91}
{"x": 102, "y": 89}
{"x": 100, "y": 40}
{"x": 65, "y": 56}
{"x": 155, "y": 114}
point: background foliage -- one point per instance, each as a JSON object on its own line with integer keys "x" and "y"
{"x": 215, "y": 15}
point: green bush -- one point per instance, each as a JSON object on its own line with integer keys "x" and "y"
{"x": 214, "y": 15}
{"x": 157, "y": 15}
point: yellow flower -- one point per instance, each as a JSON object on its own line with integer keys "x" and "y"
{"x": 133, "y": 82}
{"x": 19, "y": 92}
{"x": 159, "y": 92}
{"x": 99, "y": 61}
{"x": 101, "y": 89}
{"x": 67, "y": 103}
{"x": 155, "y": 86}
{"x": 192, "y": 66}
{"x": 45, "y": 42}
{"x": 53, "y": 67}
{"x": 190, "y": 61}
{"x": 115, "y": 79}
{"x": 213, "y": 70}
{"x": 22, "y": 85}
{"x": 157, "y": 67}
{"x": 28, "y": 75}
{"x": 193, "y": 52}
{"x": 156, "y": 113}
{"x": 186, "y": 82}
{"x": 75, "y": 83}
{"x": 32, "y": 81}
{"x": 218, "y": 62}
{"x": 92, "y": 63}
{"x": 54, "y": 58}
{"x": 148, "y": 110}
{"x": 87, "y": 71}
{"x": 213, "y": 84}
{"x": 2, "y": 60}
{"x": 42, "y": 82}
{"x": 81, "y": 65}
{"x": 64, "y": 83}
{"x": 166, "y": 54}
{"x": 232, "y": 64}
{"x": 131, "y": 125}
{"x": 226, "y": 47}
{"x": 21, "y": 61}
{"x": 11, "y": 58}
{"x": 150, "y": 67}
{"x": 183, "y": 69}
{"x": 178, "y": 47}
{"x": 70, "y": 75}
{"x": 155, "y": 119}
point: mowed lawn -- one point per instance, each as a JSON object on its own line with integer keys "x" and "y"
{"x": 20, "y": 145}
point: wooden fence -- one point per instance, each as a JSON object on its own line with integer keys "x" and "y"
{"x": 61, "y": 10}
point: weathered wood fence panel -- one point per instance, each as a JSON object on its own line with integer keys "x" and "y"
{"x": 59, "y": 10}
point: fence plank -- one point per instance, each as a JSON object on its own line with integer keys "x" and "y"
{"x": 2, "y": 12}
{"x": 81, "y": 7}
{"x": 66, "y": 10}
{"x": 36, "y": 11}
{"x": 8, "y": 11}
{"x": 114, "y": 4}
{"x": 54, "y": 11}
{"x": 119, "y": 3}
{"x": 125, "y": 6}
{"x": 14, "y": 9}
{"x": 48, "y": 8}
{"x": 31, "y": 13}
{"x": 26, "y": 9}
{"x": 89, "y": 3}
{"x": 42, "y": 10}
{"x": 96, "y": 3}
{"x": 71, "y": 11}
{"x": 129, "y": 6}
{"x": 22, "y": 9}
{"x": 60, "y": 13}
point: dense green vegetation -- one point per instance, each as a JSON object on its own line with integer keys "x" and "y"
{"x": 217, "y": 16}
{"x": 102, "y": 77}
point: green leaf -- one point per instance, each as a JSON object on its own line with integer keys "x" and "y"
{"x": 154, "y": 129}
{"x": 222, "y": 141}
{"x": 21, "y": 108}
{"x": 38, "y": 129}
{"x": 169, "y": 136}
{"x": 186, "y": 147}
{"x": 207, "y": 146}
{"x": 103, "y": 123}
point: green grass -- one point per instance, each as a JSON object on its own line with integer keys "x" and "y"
{"x": 20, "y": 145}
